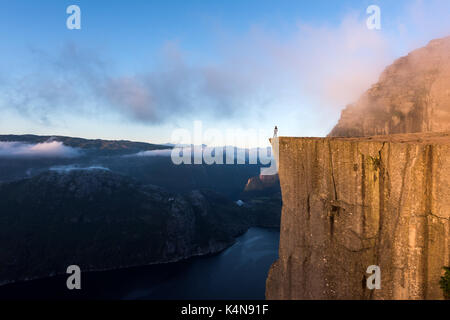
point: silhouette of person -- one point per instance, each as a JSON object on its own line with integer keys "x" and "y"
{"x": 275, "y": 132}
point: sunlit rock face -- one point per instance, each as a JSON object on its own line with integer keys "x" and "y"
{"x": 349, "y": 203}
{"x": 377, "y": 195}
{"x": 262, "y": 182}
{"x": 412, "y": 95}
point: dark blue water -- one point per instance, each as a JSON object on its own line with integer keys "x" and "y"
{"x": 239, "y": 272}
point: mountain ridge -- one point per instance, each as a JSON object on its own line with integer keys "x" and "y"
{"x": 101, "y": 220}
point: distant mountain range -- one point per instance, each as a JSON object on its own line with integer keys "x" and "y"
{"x": 143, "y": 161}
{"x": 96, "y": 147}
{"x": 105, "y": 209}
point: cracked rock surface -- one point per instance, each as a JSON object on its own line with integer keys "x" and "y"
{"x": 349, "y": 203}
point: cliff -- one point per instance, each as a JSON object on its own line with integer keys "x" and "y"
{"x": 412, "y": 95}
{"x": 101, "y": 220}
{"x": 349, "y": 203}
{"x": 262, "y": 183}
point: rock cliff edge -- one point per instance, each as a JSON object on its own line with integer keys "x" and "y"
{"x": 349, "y": 203}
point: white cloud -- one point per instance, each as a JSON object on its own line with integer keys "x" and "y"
{"x": 259, "y": 75}
{"x": 65, "y": 169}
{"x": 53, "y": 149}
{"x": 153, "y": 153}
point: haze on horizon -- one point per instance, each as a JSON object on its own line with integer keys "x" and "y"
{"x": 139, "y": 70}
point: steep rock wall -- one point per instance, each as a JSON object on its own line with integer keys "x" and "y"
{"x": 349, "y": 203}
{"x": 412, "y": 95}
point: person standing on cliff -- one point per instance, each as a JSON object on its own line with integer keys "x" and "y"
{"x": 275, "y": 132}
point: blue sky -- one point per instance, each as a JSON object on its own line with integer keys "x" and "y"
{"x": 140, "y": 69}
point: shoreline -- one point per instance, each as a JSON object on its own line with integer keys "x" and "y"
{"x": 224, "y": 247}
